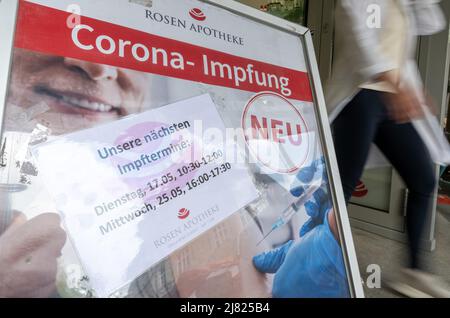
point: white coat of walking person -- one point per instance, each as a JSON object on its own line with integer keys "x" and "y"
{"x": 376, "y": 103}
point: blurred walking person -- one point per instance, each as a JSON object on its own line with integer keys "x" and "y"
{"x": 375, "y": 96}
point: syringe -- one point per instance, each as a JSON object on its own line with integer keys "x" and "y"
{"x": 290, "y": 211}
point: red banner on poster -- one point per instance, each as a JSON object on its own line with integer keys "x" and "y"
{"x": 46, "y": 30}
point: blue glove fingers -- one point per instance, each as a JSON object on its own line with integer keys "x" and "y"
{"x": 306, "y": 174}
{"x": 317, "y": 217}
{"x": 308, "y": 226}
{"x": 270, "y": 262}
{"x": 321, "y": 195}
{"x": 323, "y": 201}
{"x": 298, "y": 191}
{"x": 324, "y": 208}
{"x": 312, "y": 209}
{"x": 313, "y": 267}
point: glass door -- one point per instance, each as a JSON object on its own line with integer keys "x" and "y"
{"x": 379, "y": 201}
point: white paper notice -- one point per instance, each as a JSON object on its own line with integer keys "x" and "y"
{"x": 133, "y": 191}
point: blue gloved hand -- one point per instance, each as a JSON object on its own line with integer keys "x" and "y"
{"x": 310, "y": 267}
{"x": 313, "y": 266}
{"x": 320, "y": 203}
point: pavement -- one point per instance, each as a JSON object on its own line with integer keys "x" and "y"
{"x": 391, "y": 255}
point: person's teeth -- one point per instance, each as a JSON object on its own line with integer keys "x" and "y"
{"x": 87, "y": 104}
{"x": 107, "y": 108}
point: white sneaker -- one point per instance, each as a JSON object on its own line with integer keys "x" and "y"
{"x": 418, "y": 284}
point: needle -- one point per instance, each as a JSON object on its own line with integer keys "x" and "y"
{"x": 289, "y": 212}
{"x": 265, "y": 236}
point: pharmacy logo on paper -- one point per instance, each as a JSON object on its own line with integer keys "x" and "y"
{"x": 195, "y": 223}
{"x": 183, "y": 213}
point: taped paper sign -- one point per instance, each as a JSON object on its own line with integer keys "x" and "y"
{"x": 133, "y": 191}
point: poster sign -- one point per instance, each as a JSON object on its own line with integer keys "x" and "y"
{"x": 182, "y": 145}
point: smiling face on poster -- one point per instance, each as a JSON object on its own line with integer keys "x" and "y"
{"x": 180, "y": 147}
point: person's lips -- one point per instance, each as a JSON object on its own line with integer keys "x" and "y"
{"x": 90, "y": 103}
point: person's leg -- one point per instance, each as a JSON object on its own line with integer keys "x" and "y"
{"x": 404, "y": 148}
{"x": 353, "y": 133}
